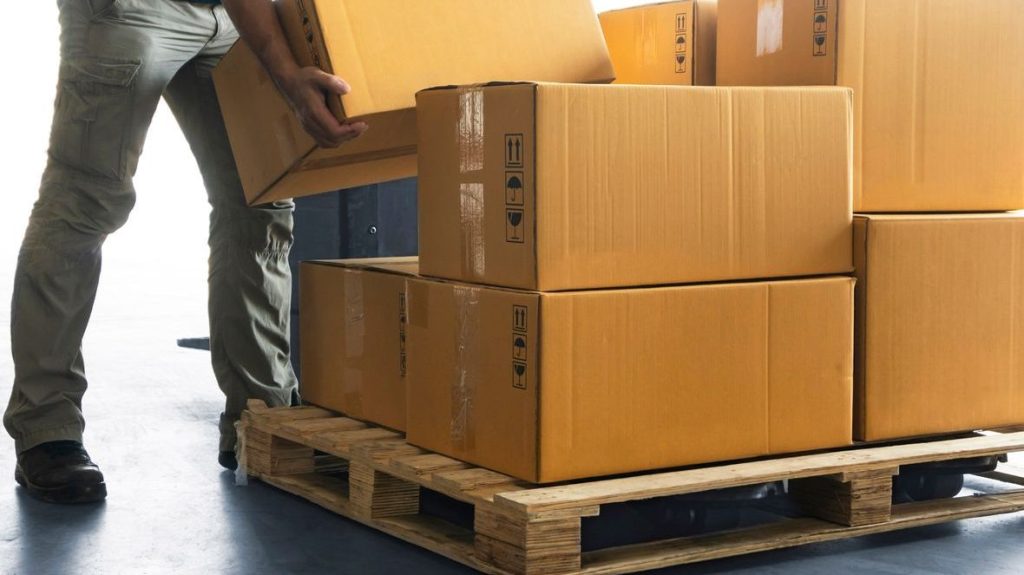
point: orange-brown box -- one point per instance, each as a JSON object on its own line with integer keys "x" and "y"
{"x": 387, "y": 50}
{"x": 939, "y": 306}
{"x": 670, "y": 43}
{"x": 353, "y": 329}
{"x": 559, "y": 386}
{"x": 938, "y": 92}
{"x": 555, "y": 187}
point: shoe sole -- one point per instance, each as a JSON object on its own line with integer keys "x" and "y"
{"x": 64, "y": 495}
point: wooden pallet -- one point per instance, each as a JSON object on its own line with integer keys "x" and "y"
{"x": 523, "y": 529}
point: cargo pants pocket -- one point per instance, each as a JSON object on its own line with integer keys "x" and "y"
{"x": 100, "y": 8}
{"x": 93, "y": 115}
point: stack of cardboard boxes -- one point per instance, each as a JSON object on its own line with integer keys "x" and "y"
{"x": 939, "y": 137}
{"x": 619, "y": 278}
{"x": 583, "y": 234}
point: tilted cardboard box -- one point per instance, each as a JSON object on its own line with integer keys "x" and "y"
{"x": 940, "y": 301}
{"x": 353, "y": 333}
{"x": 387, "y": 50}
{"x": 938, "y": 92}
{"x": 664, "y": 43}
{"x": 558, "y": 386}
{"x": 565, "y": 186}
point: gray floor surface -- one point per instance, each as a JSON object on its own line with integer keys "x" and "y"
{"x": 152, "y": 425}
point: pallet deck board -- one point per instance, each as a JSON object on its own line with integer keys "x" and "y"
{"x": 371, "y": 475}
{"x": 720, "y": 477}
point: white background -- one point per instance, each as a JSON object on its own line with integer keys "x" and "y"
{"x": 159, "y": 259}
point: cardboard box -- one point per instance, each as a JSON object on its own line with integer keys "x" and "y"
{"x": 666, "y": 43}
{"x": 387, "y": 50}
{"x": 353, "y": 334}
{"x": 939, "y": 99}
{"x": 939, "y": 305}
{"x": 562, "y": 186}
{"x": 559, "y": 386}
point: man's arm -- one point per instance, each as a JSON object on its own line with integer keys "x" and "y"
{"x": 306, "y": 89}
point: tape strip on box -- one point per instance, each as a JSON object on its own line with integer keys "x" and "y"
{"x": 770, "y": 14}
{"x": 467, "y": 366}
{"x": 471, "y": 212}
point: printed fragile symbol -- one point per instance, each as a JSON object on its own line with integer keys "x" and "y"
{"x": 519, "y": 375}
{"x": 514, "y": 232}
{"x": 819, "y": 45}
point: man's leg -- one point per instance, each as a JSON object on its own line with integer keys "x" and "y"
{"x": 250, "y": 280}
{"x": 115, "y": 63}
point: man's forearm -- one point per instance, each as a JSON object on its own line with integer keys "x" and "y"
{"x": 259, "y": 27}
{"x": 305, "y": 89}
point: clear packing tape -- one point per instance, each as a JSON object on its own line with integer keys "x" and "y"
{"x": 470, "y": 135}
{"x": 471, "y": 213}
{"x": 467, "y": 366}
{"x": 769, "y": 26}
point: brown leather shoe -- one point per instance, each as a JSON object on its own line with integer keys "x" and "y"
{"x": 60, "y": 472}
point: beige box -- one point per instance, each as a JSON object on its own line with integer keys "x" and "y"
{"x": 559, "y": 386}
{"x": 939, "y": 96}
{"x": 387, "y": 50}
{"x": 940, "y": 302}
{"x": 353, "y": 329}
{"x": 566, "y": 186}
{"x": 665, "y": 43}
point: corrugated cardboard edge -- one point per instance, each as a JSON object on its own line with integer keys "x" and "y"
{"x": 850, "y": 55}
{"x": 369, "y": 264}
{"x": 538, "y": 339}
{"x": 861, "y": 229}
{"x": 706, "y": 35}
{"x": 536, "y": 206}
{"x": 327, "y": 38}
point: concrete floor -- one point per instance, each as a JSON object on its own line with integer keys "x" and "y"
{"x": 172, "y": 510}
{"x": 152, "y": 426}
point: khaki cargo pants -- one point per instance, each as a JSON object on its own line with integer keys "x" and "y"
{"x": 118, "y": 57}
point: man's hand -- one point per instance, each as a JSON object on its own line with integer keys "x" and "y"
{"x": 306, "y": 89}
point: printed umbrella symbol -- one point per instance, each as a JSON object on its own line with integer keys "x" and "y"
{"x": 520, "y": 347}
{"x": 819, "y": 19}
{"x": 515, "y": 185}
{"x": 515, "y": 218}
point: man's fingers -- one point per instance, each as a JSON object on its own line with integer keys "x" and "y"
{"x": 332, "y": 84}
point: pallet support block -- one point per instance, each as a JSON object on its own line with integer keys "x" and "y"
{"x": 270, "y": 455}
{"x": 850, "y": 499}
{"x": 376, "y": 495}
{"x": 529, "y": 547}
